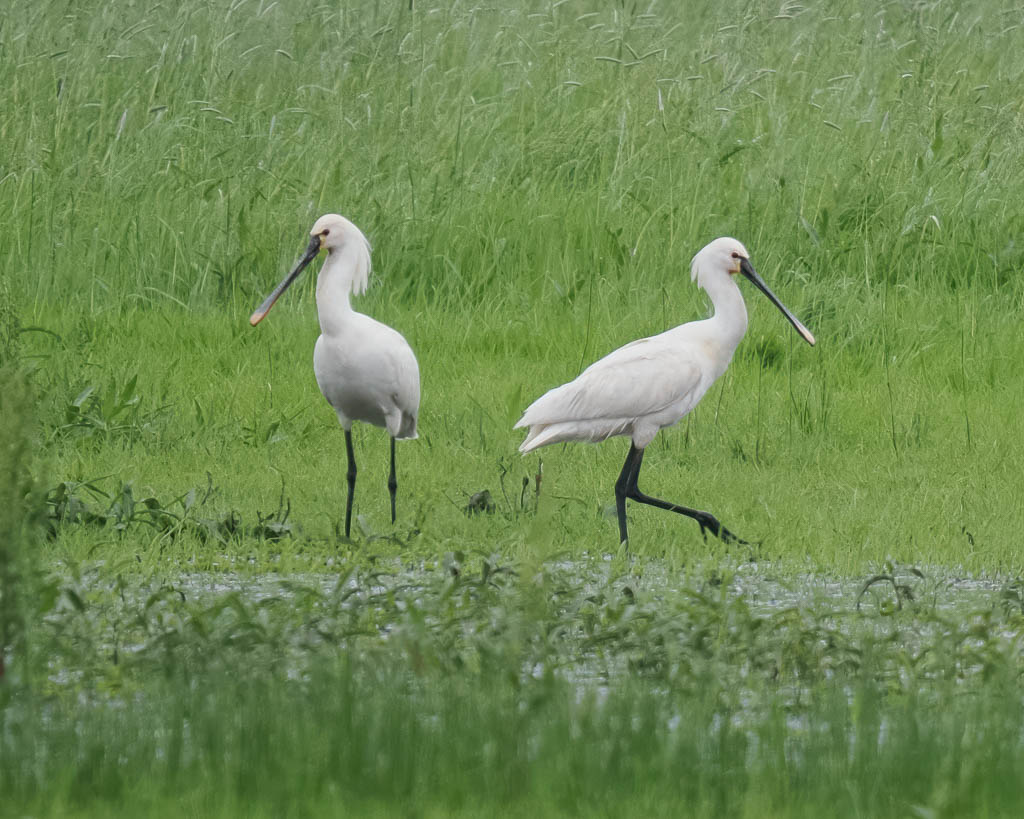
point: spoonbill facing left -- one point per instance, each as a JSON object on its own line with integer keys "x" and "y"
{"x": 366, "y": 371}
{"x": 653, "y": 382}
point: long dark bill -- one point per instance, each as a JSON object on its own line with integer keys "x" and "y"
{"x": 311, "y": 253}
{"x": 747, "y": 269}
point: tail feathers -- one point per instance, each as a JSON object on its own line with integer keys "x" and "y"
{"x": 587, "y": 431}
{"x": 538, "y": 436}
{"x": 407, "y": 427}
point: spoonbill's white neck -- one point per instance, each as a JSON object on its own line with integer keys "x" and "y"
{"x": 730, "y": 318}
{"x": 343, "y": 271}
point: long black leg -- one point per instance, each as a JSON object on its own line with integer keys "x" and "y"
{"x": 392, "y": 481}
{"x": 626, "y": 487}
{"x": 627, "y": 478}
{"x": 351, "y": 481}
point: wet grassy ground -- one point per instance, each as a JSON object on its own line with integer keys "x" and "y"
{"x": 553, "y": 688}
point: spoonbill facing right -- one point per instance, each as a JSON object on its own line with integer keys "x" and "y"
{"x": 366, "y": 370}
{"x": 653, "y": 382}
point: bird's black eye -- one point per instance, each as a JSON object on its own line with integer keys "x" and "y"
{"x": 325, "y": 231}
{"x": 735, "y": 255}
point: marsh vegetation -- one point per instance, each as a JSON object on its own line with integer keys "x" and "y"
{"x": 184, "y": 627}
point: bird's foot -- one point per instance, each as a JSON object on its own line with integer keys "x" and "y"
{"x": 709, "y": 522}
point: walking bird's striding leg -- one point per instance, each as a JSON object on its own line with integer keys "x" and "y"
{"x": 626, "y": 487}
{"x": 351, "y": 475}
{"x": 627, "y": 478}
{"x": 392, "y": 481}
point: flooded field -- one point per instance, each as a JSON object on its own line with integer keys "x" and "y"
{"x": 585, "y": 619}
{"x": 728, "y": 690}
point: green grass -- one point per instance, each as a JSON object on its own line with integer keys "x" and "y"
{"x": 534, "y": 191}
{"x": 374, "y": 746}
{"x": 534, "y": 178}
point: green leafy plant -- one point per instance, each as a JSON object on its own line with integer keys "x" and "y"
{"x": 107, "y": 413}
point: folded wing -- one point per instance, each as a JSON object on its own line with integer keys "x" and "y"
{"x": 645, "y": 382}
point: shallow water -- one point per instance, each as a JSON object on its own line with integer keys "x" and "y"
{"x": 763, "y": 589}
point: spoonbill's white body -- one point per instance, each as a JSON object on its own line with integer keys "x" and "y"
{"x": 654, "y": 382}
{"x": 366, "y": 370}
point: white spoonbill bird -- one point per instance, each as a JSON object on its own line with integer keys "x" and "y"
{"x": 653, "y": 382}
{"x": 366, "y": 371}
